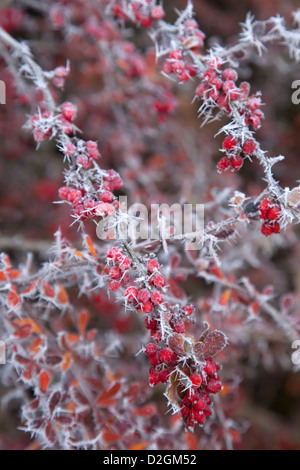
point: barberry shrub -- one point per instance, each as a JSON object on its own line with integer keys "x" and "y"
{"x": 142, "y": 344}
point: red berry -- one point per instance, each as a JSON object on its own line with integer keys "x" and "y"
{"x": 166, "y": 355}
{"x": 69, "y": 111}
{"x": 150, "y": 323}
{"x": 264, "y": 209}
{"x": 152, "y": 265}
{"x": 150, "y": 349}
{"x": 274, "y": 212}
{"x": 188, "y": 310}
{"x": 196, "y": 380}
{"x": 217, "y": 83}
{"x": 209, "y": 75}
{"x": 143, "y": 295}
{"x": 200, "y": 404}
{"x": 229, "y": 143}
{"x": 157, "y": 13}
{"x": 131, "y": 294}
{"x": 201, "y": 89}
{"x": 157, "y": 298}
{"x": 114, "y": 286}
{"x": 153, "y": 377}
{"x": 210, "y": 368}
{"x": 275, "y": 227}
{"x": 179, "y": 327}
{"x": 237, "y": 162}
{"x": 154, "y": 359}
{"x": 84, "y": 161}
{"x": 164, "y": 375}
{"x": 213, "y": 386}
{"x": 249, "y": 147}
{"x": 175, "y": 54}
{"x": 124, "y": 263}
{"x": 224, "y": 164}
{"x": 147, "y": 307}
{"x": 230, "y": 74}
{"x": 159, "y": 281}
{"x": 146, "y": 21}
{"x": 115, "y": 273}
{"x": 167, "y": 67}
{"x": 63, "y": 193}
{"x": 266, "y": 229}
{"x": 74, "y": 194}
{"x": 107, "y": 196}
{"x": 114, "y": 254}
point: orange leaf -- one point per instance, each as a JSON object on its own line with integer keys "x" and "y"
{"x": 13, "y": 299}
{"x": 82, "y": 322}
{"x": 44, "y": 379}
{"x": 3, "y": 276}
{"x": 14, "y": 273}
{"x": 216, "y": 271}
{"x": 29, "y": 321}
{"x": 62, "y": 295}
{"x": 78, "y": 254}
{"x": 91, "y": 334}
{"x": 72, "y": 337}
{"x": 90, "y": 246}
{"x": 140, "y": 446}
{"x": 35, "y": 346}
{"x": 110, "y": 393}
{"x": 225, "y": 297}
{"x": 191, "y": 441}
{"x": 66, "y": 361}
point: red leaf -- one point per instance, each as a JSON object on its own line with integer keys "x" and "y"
{"x": 30, "y": 289}
{"x": 50, "y": 433}
{"x": 44, "y": 380}
{"x": 82, "y": 322}
{"x": 23, "y": 332}
{"x": 48, "y": 291}
{"x": 145, "y": 411}
{"x": 13, "y": 299}
{"x": 110, "y": 437}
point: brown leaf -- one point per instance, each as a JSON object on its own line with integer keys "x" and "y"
{"x": 213, "y": 343}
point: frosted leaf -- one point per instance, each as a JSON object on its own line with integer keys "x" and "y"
{"x": 212, "y": 344}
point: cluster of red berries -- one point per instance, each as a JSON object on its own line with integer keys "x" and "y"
{"x": 102, "y": 202}
{"x": 162, "y": 361}
{"x": 142, "y": 12}
{"x": 147, "y": 298}
{"x": 46, "y": 124}
{"x": 195, "y": 404}
{"x": 235, "y": 153}
{"x": 270, "y": 213}
{"x": 175, "y": 64}
{"x": 118, "y": 269}
{"x": 219, "y": 87}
